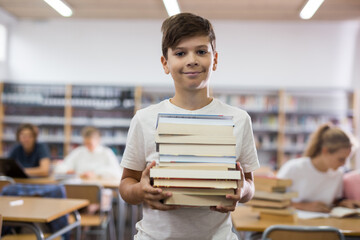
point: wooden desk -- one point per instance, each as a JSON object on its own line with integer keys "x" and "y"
{"x": 39, "y": 180}
{"x": 121, "y": 206}
{"x": 107, "y": 183}
{"x": 246, "y": 220}
{"x": 40, "y": 210}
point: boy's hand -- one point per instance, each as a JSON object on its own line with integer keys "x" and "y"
{"x": 235, "y": 197}
{"x": 153, "y": 196}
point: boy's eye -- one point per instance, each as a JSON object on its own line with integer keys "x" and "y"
{"x": 202, "y": 52}
{"x": 179, "y": 54}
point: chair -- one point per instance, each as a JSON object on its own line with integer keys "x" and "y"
{"x": 103, "y": 222}
{"x": 286, "y": 232}
{"x": 4, "y": 181}
{"x": 0, "y": 225}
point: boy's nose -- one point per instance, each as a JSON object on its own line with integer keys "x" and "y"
{"x": 192, "y": 60}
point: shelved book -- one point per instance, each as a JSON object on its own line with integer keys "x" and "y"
{"x": 196, "y": 159}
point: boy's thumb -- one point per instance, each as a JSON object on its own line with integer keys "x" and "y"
{"x": 148, "y": 167}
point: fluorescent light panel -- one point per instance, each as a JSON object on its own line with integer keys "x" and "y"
{"x": 172, "y": 7}
{"x": 310, "y": 8}
{"x": 60, "y": 7}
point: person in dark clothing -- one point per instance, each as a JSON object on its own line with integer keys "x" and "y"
{"x": 33, "y": 156}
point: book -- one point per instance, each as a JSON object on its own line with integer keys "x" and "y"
{"x": 274, "y": 195}
{"x": 269, "y": 188}
{"x": 340, "y": 212}
{"x": 207, "y": 119}
{"x": 269, "y": 204}
{"x": 174, "y": 183}
{"x": 198, "y": 159}
{"x": 197, "y": 149}
{"x": 198, "y": 166}
{"x": 194, "y": 174}
{"x": 197, "y": 200}
{"x": 272, "y": 181}
{"x": 195, "y": 139}
{"x": 276, "y": 211}
{"x": 194, "y": 129}
{"x": 200, "y": 191}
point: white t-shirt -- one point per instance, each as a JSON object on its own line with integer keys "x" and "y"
{"x": 311, "y": 184}
{"x": 102, "y": 161}
{"x": 184, "y": 223}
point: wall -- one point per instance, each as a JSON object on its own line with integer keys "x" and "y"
{"x": 5, "y": 20}
{"x": 251, "y": 54}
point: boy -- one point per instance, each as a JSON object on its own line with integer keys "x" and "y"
{"x": 189, "y": 55}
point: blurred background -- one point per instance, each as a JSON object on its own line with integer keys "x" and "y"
{"x": 101, "y": 62}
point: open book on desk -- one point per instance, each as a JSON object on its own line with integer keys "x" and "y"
{"x": 337, "y": 212}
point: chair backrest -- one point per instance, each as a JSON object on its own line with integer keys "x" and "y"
{"x": 91, "y": 192}
{"x": 4, "y": 181}
{"x": 0, "y": 224}
{"x": 286, "y": 232}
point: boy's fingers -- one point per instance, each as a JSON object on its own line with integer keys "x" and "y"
{"x": 235, "y": 197}
{"x": 146, "y": 172}
{"x": 160, "y": 206}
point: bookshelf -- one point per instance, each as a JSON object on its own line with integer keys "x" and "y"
{"x": 61, "y": 111}
{"x": 108, "y": 108}
{"x": 282, "y": 119}
{"x": 41, "y": 105}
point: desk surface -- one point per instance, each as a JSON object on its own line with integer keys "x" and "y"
{"x": 107, "y": 183}
{"x": 246, "y": 220}
{"x": 36, "y": 209}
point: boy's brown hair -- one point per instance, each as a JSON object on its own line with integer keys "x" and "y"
{"x": 184, "y": 25}
{"x": 89, "y": 131}
{"x": 34, "y": 130}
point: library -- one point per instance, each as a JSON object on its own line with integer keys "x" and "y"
{"x": 81, "y": 86}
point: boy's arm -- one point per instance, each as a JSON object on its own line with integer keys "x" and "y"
{"x": 244, "y": 192}
{"x": 135, "y": 188}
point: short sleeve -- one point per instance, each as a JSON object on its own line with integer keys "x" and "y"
{"x": 13, "y": 152}
{"x": 134, "y": 154}
{"x": 44, "y": 151}
{"x": 248, "y": 155}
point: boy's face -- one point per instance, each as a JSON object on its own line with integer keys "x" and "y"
{"x": 190, "y": 63}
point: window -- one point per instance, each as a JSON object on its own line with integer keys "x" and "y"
{"x": 3, "y": 38}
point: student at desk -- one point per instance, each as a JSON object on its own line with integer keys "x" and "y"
{"x": 316, "y": 176}
{"x": 33, "y": 156}
{"x": 92, "y": 160}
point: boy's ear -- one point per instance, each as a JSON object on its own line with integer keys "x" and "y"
{"x": 164, "y": 63}
{"x": 215, "y": 61}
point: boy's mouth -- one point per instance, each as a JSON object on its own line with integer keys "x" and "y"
{"x": 192, "y": 73}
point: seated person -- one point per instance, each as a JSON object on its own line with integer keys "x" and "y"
{"x": 351, "y": 185}
{"x": 92, "y": 160}
{"x": 33, "y": 156}
{"x": 316, "y": 176}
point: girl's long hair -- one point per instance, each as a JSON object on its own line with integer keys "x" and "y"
{"x": 329, "y": 136}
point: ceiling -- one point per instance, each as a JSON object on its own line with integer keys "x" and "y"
{"x": 212, "y": 9}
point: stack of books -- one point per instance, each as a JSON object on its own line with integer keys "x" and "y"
{"x": 271, "y": 199}
{"x": 197, "y": 159}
